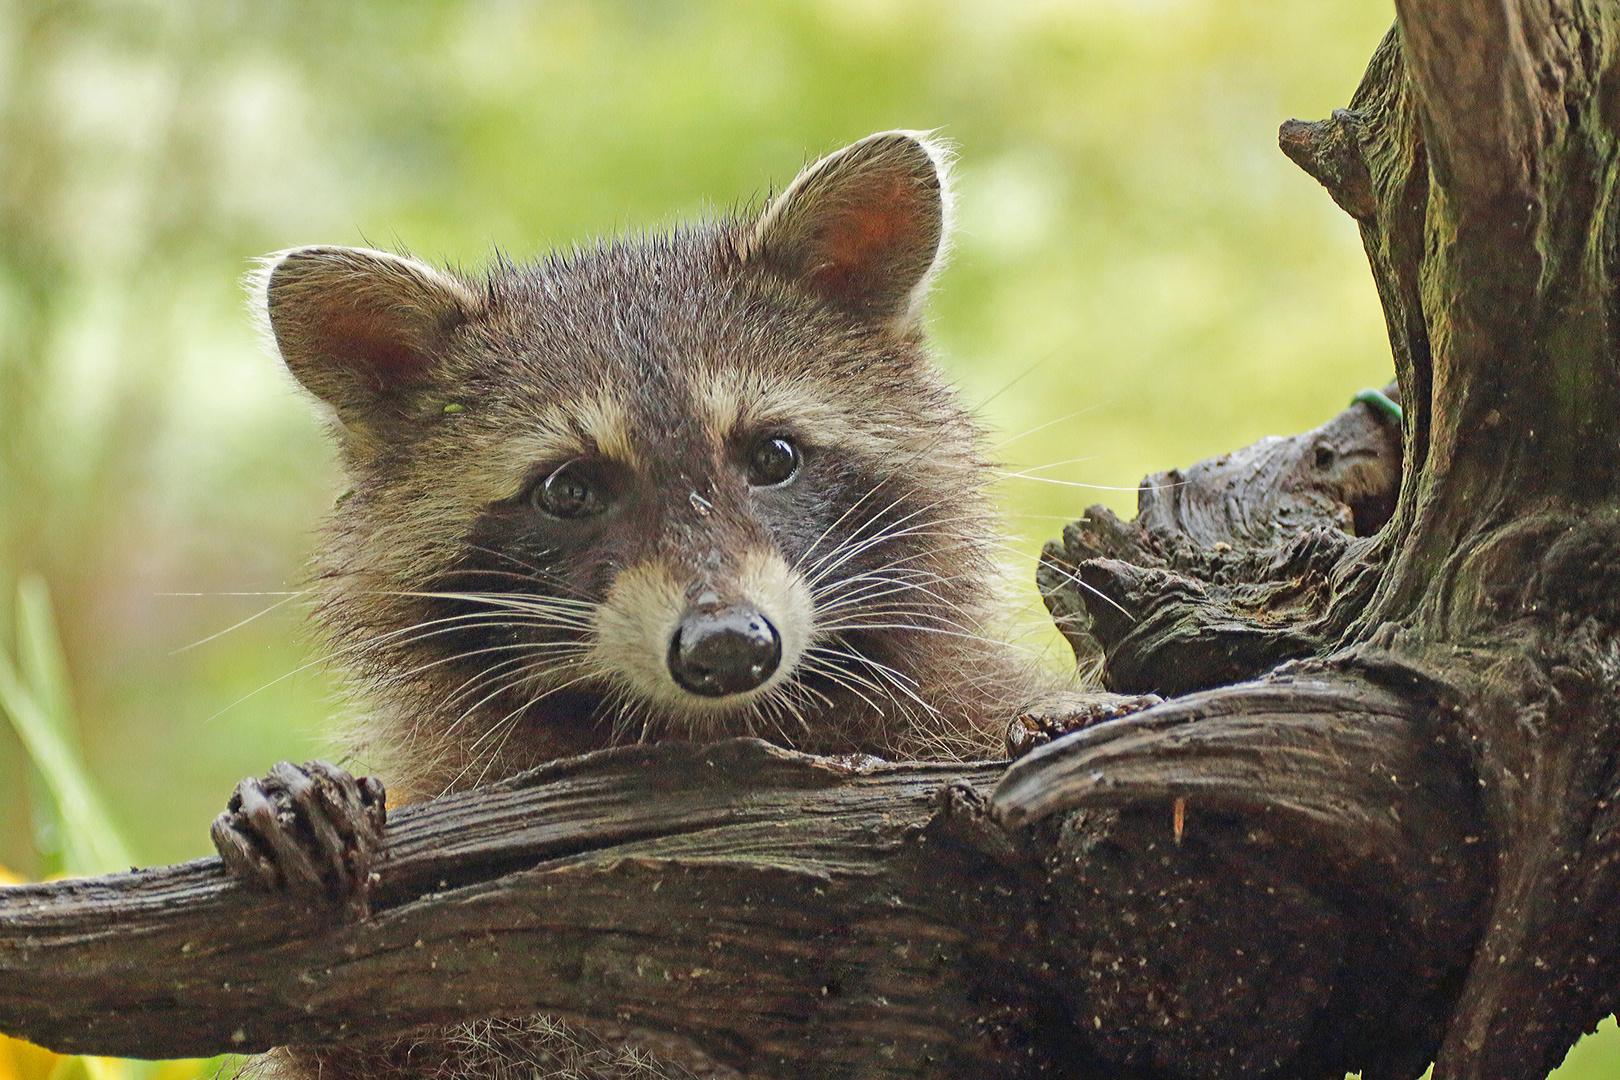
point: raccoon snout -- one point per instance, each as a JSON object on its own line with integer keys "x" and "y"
{"x": 729, "y": 651}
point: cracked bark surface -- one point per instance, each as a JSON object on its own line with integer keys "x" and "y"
{"x": 1374, "y": 824}
{"x": 1478, "y": 157}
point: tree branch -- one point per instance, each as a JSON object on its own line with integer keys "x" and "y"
{"x": 1486, "y": 130}
{"x": 795, "y": 916}
{"x": 1329, "y": 838}
{"x": 1474, "y": 62}
{"x": 766, "y": 884}
{"x": 1231, "y": 565}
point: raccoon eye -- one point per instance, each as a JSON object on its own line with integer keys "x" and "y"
{"x": 569, "y": 493}
{"x": 774, "y": 461}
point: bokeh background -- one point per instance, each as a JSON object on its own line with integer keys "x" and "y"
{"x": 1140, "y": 280}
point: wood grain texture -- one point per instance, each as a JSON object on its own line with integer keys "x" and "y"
{"x": 764, "y": 877}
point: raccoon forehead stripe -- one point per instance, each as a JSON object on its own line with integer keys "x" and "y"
{"x": 598, "y": 425}
{"x": 604, "y": 421}
{"x": 731, "y": 401}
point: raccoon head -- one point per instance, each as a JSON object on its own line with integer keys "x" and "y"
{"x": 691, "y": 484}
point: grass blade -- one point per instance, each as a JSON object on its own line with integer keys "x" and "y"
{"x": 38, "y": 703}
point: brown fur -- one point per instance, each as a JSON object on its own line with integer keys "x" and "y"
{"x": 488, "y": 637}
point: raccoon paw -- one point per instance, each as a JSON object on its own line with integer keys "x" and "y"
{"x": 1059, "y": 713}
{"x": 314, "y": 831}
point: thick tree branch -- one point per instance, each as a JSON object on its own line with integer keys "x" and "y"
{"x": 795, "y": 916}
{"x": 1488, "y": 133}
{"x": 765, "y": 884}
{"x": 1366, "y": 812}
{"x": 1475, "y": 63}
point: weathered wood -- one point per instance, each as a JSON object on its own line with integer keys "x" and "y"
{"x": 682, "y": 888}
{"x": 796, "y": 916}
{"x": 1494, "y": 261}
{"x": 1345, "y": 796}
{"x": 1329, "y": 151}
{"x": 1480, "y": 158}
{"x": 1231, "y": 565}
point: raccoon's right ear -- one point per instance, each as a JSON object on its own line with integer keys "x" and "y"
{"x": 864, "y": 228}
{"x": 361, "y": 329}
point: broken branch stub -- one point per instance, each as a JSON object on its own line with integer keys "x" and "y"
{"x": 1231, "y": 566}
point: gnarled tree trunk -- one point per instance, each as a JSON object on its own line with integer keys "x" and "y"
{"x": 1479, "y": 158}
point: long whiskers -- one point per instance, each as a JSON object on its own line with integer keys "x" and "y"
{"x": 285, "y": 599}
{"x": 502, "y": 729}
{"x": 537, "y": 574}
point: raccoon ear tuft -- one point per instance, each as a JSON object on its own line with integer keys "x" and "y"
{"x": 360, "y": 329}
{"x": 863, "y": 228}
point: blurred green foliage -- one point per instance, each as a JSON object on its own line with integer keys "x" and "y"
{"x": 75, "y": 834}
{"x": 1140, "y": 279}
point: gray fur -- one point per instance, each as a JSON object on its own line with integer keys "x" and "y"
{"x": 467, "y": 617}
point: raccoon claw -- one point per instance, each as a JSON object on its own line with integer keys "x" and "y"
{"x": 313, "y": 831}
{"x": 1058, "y": 714}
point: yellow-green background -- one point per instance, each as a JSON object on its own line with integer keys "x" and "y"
{"x": 1137, "y": 268}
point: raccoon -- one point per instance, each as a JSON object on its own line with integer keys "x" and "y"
{"x": 684, "y": 486}
{"x": 693, "y": 485}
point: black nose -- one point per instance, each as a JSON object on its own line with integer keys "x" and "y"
{"x": 715, "y": 653}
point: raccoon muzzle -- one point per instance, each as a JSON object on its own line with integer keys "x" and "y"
{"x": 719, "y": 652}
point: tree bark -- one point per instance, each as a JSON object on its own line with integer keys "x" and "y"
{"x": 1479, "y": 158}
{"x": 1375, "y": 824}
{"x": 774, "y": 904}
{"x": 1492, "y": 157}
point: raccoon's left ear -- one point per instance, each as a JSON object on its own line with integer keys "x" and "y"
{"x": 863, "y": 228}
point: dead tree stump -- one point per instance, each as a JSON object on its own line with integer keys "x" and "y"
{"x": 1479, "y": 158}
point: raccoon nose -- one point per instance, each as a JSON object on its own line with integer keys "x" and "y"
{"x": 715, "y": 653}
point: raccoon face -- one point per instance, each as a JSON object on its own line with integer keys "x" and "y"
{"x": 697, "y": 483}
